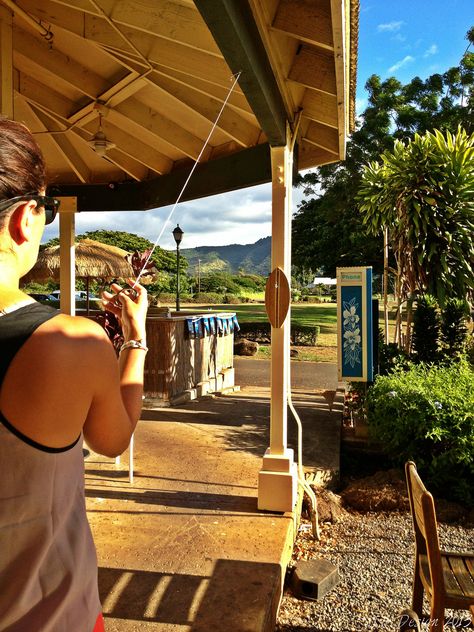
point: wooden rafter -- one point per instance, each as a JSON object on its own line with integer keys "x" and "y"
{"x": 320, "y": 107}
{"x": 314, "y": 68}
{"x": 323, "y": 136}
{"x": 230, "y": 122}
{"x": 158, "y": 50}
{"x": 63, "y": 143}
{"x": 56, "y": 63}
{"x": 308, "y": 20}
{"x": 159, "y": 18}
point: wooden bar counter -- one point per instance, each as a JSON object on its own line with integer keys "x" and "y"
{"x": 182, "y": 364}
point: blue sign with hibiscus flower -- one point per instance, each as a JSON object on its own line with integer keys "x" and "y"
{"x": 355, "y": 324}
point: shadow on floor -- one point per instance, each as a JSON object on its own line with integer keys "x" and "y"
{"x": 242, "y": 423}
{"x": 231, "y": 597}
{"x": 184, "y": 500}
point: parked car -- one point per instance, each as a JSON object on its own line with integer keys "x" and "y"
{"x": 80, "y": 295}
{"x": 42, "y": 297}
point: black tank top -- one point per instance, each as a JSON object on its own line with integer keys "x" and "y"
{"x": 16, "y": 327}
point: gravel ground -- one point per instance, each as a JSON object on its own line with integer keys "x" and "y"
{"x": 374, "y": 553}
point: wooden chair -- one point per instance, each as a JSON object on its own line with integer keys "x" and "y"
{"x": 448, "y": 578}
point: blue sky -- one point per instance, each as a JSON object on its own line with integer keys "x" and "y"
{"x": 405, "y": 38}
{"x": 401, "y": 38}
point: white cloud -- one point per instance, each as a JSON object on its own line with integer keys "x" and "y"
{"x": 399, "y": 38}
{"x": 237, "y": 217}
{"x": 361, "y": 104}
{"x": 403, "y": 62}
{"x": 432, "y": 50}
{"x": 390, "y": 27}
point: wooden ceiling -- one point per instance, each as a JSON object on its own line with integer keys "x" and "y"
{"x": 152, "y": 76}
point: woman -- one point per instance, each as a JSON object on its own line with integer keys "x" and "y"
{"x": 60, "y": 382}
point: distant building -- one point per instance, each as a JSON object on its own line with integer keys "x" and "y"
{"x": 322, "y": 281}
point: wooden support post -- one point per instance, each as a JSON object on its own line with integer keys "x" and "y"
{"x": 277, "y": 486}
{"x": 6, "y": 62}
{"x": 67, "y": 274}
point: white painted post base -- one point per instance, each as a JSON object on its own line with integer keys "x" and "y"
{"x": 278, "y": 482}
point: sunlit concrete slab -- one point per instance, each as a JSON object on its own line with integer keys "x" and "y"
{"x": 184, "y": 547}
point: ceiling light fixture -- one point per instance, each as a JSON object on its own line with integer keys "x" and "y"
{"x": 99, "y": 142}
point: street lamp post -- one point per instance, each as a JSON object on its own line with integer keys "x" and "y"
{"x": 178, "y": 236}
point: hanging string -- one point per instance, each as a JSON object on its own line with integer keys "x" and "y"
{"x": 236, "y": 79}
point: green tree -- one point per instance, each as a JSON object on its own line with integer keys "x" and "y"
{"x": 423, "y": 191}
{"x": 165, "y": 260}
{"x": 327, "y": 228}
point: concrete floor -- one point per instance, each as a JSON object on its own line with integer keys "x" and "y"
{"x": 184, "y": 547}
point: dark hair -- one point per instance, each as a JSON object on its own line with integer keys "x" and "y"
{"x": 22, "y": 166}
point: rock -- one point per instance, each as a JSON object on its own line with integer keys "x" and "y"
{"x": 330, "y": 507}
{"x": 384, "y": 491}
{"x": 244, "y": 347}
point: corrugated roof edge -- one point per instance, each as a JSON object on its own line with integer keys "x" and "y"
{"x": 354, "y": 44}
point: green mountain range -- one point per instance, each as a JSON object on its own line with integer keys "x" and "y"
{"x": 250, "y": 258}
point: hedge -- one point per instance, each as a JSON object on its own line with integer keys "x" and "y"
{"x": 300, "y": 335}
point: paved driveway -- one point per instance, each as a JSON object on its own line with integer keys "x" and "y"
{"x": 309, "y": 376}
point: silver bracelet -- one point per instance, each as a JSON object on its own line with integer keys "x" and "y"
{"x": 134, "y": 344}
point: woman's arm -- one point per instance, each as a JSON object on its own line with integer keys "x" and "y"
{"x": 117, "y": 400}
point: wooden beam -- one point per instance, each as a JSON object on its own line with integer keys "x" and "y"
{"x": 311, "y": 156}
{"x": 36, "y": 92}
{"x": 168, "y": 131}
{"x": 243, "y": 169}
{"x": 207, "y": 87}
{"x": 65, "y": 146}
{"x": 232, "y": 25}
{"x": 166, "y": 52}
{"x": 314, "y": 69}
{"x": 323, "y": 136}
{"x": 160, "y": 18}
{"x": 6, "y": 63}
{"x": 55, "y": 14}
{"x": 308, "y": 20}
{"x": 52, "y": 61}
{"x": 230, "y": 122}
{"x": 338, "y": 24}
{"x": 320, "y": 107}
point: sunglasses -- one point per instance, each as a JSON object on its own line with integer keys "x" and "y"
{"x": 50, "y": 204}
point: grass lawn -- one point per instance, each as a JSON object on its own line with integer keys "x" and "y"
{"x": 322, "y": 314}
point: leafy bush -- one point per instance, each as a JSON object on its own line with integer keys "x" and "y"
{"x": 231, "y": 299}
{"x": 301, "y": 335}
{"x": 207, "y": 297}
{"x": 391, "y": 357}
{"x": 426, "y": 413}
{"x": 426, "y": 329}
{"x": 453, "y": 327}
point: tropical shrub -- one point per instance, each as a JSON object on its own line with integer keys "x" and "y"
{"x": 426, "y": 413}
{"x": 208, "y": 297}
{"x": 453, "y": 327}
{"x": 301, "y": 335}
{"x": 426, "y": 329}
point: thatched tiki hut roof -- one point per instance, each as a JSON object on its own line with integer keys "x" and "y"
{"x": 93, "y": 260}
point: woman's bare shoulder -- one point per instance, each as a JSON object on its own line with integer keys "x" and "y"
{"x": 64, "y": 330}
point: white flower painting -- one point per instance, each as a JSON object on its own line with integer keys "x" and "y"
{"x": 352, "y": 337}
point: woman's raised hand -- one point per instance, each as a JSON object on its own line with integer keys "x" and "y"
{"x": 130, "y": 305}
